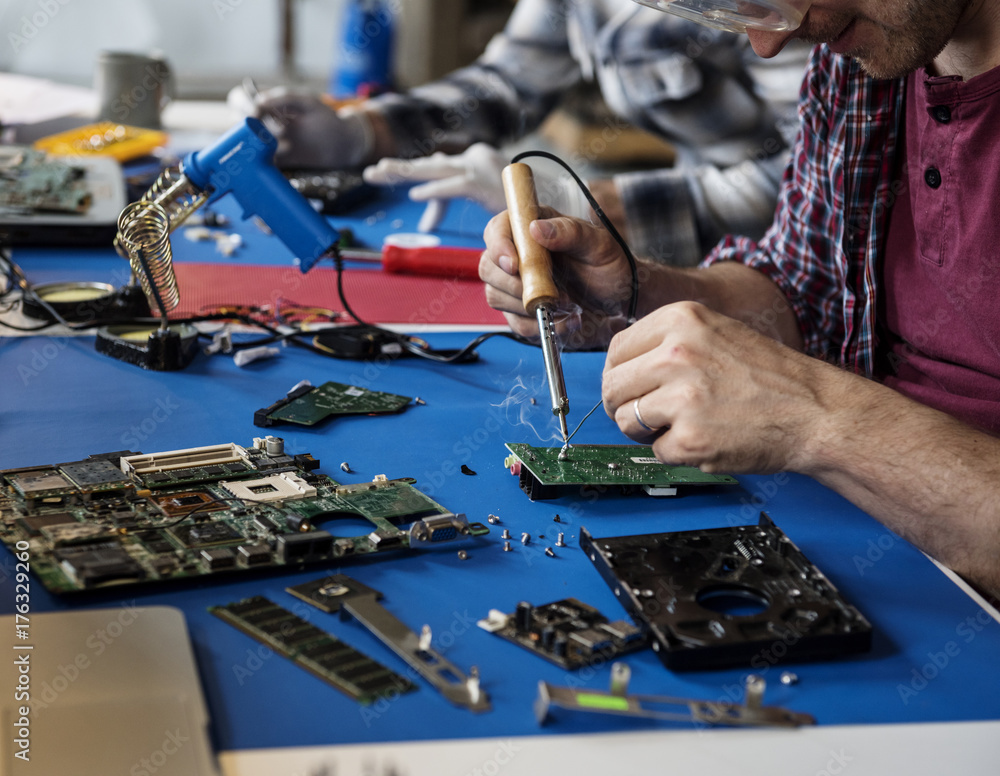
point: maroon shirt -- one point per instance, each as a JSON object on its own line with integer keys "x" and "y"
{"x": 942, "y": 255}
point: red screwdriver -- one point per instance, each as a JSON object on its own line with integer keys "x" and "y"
{"x": 437, "y": 261}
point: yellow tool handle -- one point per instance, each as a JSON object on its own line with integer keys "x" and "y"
{"x": 534, "y": 261}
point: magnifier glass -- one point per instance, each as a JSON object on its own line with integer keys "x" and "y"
{"x": 736, "y": 15}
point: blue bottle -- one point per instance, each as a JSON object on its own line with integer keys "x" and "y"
{"x": 362, "y": 62}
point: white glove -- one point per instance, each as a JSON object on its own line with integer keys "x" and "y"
{"x": 310, "y": 133}
{"x": 474, "y": 174}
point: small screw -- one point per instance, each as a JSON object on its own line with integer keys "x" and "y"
{"x": 493, "y": 519}
{"x": 550, "y": 552}
{"x": 559, "y": 541}
{"x": 525, "y": 538}
{"x": 418, "y": 400}
{"x": 463, "y": 555}
{"x": 787, "y": 677}
{"x": 533, "y": 400}
{"x": 505, "y": 534}
{"x": 345, "y": 466}
{"x": 506, "y": 546}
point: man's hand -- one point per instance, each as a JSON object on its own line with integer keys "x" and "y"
{"x": 474, "y": 173}
{"x": 718, "y": 394}
{"x": 310, "y": 133}
{"x": 589, "y": 267}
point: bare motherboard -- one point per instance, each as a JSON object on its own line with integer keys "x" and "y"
{"x": 33, "y": 181}
{"x": 125, "y": 518}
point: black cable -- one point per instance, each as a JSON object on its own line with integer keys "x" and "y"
{"x": 408, "y": 343}
{"x": 465, "y": 353}
{"x": 605, "y": 221}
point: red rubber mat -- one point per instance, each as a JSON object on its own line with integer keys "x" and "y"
{"x": 374, "y": 295}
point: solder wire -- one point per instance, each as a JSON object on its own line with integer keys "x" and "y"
{"x": 633, "y": 303}
{"x": 582, "y": 421}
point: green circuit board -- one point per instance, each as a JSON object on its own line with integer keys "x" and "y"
{"x": 125, "y": 518}
{"x": 32, "y": 181}
{"x": 307, "y": 405}
{"x": 548, "y": 472}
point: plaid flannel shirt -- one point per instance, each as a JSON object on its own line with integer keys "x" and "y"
{"x": 729, "y": 114}
{"x": 829, "y": 230}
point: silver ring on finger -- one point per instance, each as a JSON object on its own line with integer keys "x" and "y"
{"x": 638, "y": 417}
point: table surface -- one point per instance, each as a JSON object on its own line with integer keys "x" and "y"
{"x": 934, "y": 651}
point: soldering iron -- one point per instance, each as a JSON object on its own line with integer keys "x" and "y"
{"x": 540, "y": 294}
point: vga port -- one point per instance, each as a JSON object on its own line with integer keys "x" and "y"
{"x": 444, "y": 528}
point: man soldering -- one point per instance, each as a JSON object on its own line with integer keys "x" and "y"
{"x": 857, "y": 341}
{"x": 728, "y": 114}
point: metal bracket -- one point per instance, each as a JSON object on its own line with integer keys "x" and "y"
{"x": 342, "y": 593}
{"x": 617, "y": 701}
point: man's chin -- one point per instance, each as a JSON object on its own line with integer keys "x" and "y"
{"x": 882, "y": 67}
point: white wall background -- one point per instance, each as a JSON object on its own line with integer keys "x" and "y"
{"x": 211, "y": 44}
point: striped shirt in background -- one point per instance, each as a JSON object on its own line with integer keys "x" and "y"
{"x": 729, "y": 114}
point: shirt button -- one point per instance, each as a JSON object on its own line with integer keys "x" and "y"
{"x": 932, "y": 176}
{"x": 941, "y": 114}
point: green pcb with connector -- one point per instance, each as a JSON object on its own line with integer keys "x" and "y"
{"x": 548, "y": 472}
{"x": 307, "y": 406}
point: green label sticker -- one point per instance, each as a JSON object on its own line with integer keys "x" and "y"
{"x": 608, "y": 702}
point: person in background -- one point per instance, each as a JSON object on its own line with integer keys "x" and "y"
{"x": 728, "y": 113}
{"x": 880, "y": 260}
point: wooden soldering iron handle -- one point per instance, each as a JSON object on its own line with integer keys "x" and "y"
{"x": 534, "y": 261}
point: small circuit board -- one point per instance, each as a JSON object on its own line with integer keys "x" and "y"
{"x": 549, "y": 472}
{"x": 568, "y": 633}
{"x": 32, "y": 181}
{"x": 125, "y": 518}
{"x": 723, "y": 597}
{"x": 105, "y": 138}
{"x": 306, "y": 405}
{"x": 315, "y": 650}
